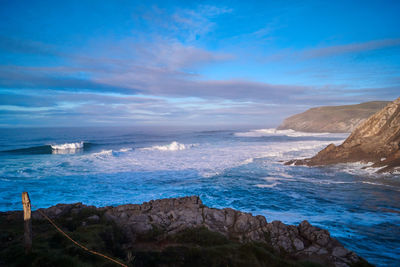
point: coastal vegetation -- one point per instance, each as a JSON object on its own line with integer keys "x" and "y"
{"x": 156, "y": 246}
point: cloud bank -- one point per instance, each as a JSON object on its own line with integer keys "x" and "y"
{"x": 174, "y": 66}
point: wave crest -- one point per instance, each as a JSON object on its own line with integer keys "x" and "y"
{"x": 68, "y": 146}
{"x": 111, "y": 152}
{"x": 174, "y": 146}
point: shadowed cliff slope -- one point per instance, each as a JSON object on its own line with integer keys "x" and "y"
{"x": 332, "y": 119}
{"x": 376, "y": 140}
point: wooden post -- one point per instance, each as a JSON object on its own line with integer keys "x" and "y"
{"x": 26, "y": 203}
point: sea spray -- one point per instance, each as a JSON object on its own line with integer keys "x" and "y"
{"x": 224, "y": 168}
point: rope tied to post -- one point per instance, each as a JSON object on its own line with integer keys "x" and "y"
{"x": 73, "y": 241}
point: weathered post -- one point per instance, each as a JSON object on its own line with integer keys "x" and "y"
{"x": 26, "y": 203}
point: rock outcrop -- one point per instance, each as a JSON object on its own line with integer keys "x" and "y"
{"x": 376, "y": 141}
{"x": 167, "y": 217}
{"x": 332, "y": 119}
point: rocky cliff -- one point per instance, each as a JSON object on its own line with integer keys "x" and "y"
{"x": 376, "y": 140}
{"x": 174, "y": 215}
{"x": 332, "y": 119}
{"x": 178, "y": 232}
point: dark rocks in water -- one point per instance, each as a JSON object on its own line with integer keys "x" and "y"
{"x": 163, "y": 220}
{"x": 377, "y": 140}
{"x": 332, "y": 119}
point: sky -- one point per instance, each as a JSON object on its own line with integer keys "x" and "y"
{"x": 192, "y": 63}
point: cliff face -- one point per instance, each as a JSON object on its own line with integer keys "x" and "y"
{"x": 332, "y": 119}
{"x": 177, "y": 231}
{"x": 376, "y": 140}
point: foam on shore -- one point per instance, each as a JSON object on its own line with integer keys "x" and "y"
{"x": 275, "y": 132}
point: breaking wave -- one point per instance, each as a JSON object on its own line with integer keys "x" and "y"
{"x": 66, "y": 146}
{"x": 111, "y": 152}
{"x": 174, "y": 146}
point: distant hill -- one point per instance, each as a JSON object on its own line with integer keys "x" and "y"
{"x": 333, "y": 119}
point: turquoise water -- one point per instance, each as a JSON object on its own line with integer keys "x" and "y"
{"x": 238, "y": 169}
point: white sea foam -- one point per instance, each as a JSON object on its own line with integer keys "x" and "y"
{"x": 360, "y": 169}
{"x": 322, "y": 181}
{"x": 248, "y": 161}
{"x": 275, "y": 132}
{"x": 272, "y": 179}
{"x": 111, "y": 152}
{"x": 380, "y": 184}
{"x": 68, "y": 146}
{"x": 286, "y": 175}
{"x": 208, "y": 159}
{"x": 267, "y": 185}
{"x": 125, "y": 149}
{"x": 103, "y": 153}
{"x": 174, "y": 146}
{"x": 371, "y": 183}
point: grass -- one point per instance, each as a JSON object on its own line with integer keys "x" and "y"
{"x": 201, "y": 247}
{"x": 191, "y": 247}
{"x": 50, "y": 248}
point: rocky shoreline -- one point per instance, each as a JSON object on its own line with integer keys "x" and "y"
{"x": 153, "y": 227}
{"x": 376, "y": 141}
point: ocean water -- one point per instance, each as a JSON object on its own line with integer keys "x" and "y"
{"x": 239, "y": 169}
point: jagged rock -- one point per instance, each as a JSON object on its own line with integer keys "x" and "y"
{"x": 58, "y": 210}
{"x": 340, "y": 252}
{"x": 377, "y": 140}
{"x": 94, "y": 218}
{"x": 318, "y": 236}
{"x": 332, "y": 119}
{"x": 169, "y": 216}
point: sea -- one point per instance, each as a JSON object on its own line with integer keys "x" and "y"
{"x": 241, "y": 169}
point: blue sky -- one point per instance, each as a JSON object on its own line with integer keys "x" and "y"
{"x": 79, "y": 63}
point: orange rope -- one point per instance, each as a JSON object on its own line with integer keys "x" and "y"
{"x": 76, "y": 243}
